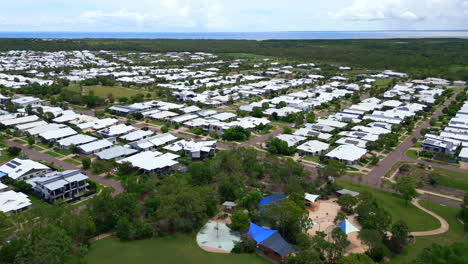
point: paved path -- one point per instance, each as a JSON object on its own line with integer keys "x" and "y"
{"x": 36, "y": 155}
{"x": 444, "y": 226}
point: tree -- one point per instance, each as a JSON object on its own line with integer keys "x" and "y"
{"x": 49, "y": 245}
{"x": 239, "y": 221}
{"x": 9, "y": 251}
{"x": 236, "y": 133}
{"x": 288, "y": 218}
{"x": 278, "y": 146}
{"x": 13, "y": 151}
{"x": 22, "y": 186}
{"x": 406, "y": 186}
{"x": 287, "y": 130}
{"x": 86, "y": 163}
{"x": 399, "y": 240}
{"x": 257, "y": 112}
{"x": 332, "y": 169}
{"x": 340, "y": 243}
{"x": 31, "y": 141}
{"x": 449, "y": 254}
{"x": 200, "y": 172}
{"x": 347, "y": 203}
{"x": 265, "y": 105}
{"x": 281, "y": 104}
{"x": 125, "y": 168}
{"x": 356, "y": 259}
{"x": 309, "y": 256}
{"x": 164, "y": 129}
{"x": 373, "y": 239}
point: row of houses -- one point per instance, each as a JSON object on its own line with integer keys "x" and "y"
{"x": 453, "y": 139}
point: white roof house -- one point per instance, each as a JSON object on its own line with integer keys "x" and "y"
{"x": 98, "y": 124}
{"x": 163, "y": 115}
{"x": 19, "y": 169}
{"x": 223, "y": 116}
{"x": 27, "y": 100}
{"x": 154, "y": 141}
{"x": 352, "y": 141}
{"x": 27, "y": 126}
{"x": 194, "y": 149}
{"x": 150, "y": 161}
{"x": 313, "y": 147}
{"x": 331, "y": 123}
{"x": 292, "y": 140}
{"x": 76, "y": 140}
{"x": 115, "y": 131}
{"x": 95, "y": 146}
{"x": 41, "y": 129}
{"x": 115, "y": 152}
{"x": 54, "y": 135}
{"x": 347, "y": 154}
{"x": 463, "y": 155}
{"x": 183, "y": 118}
{"x": 11, "y": 201}
{"x": 306, "y": 132}
{"x": 19, "y": 120}
{"x": 137, "y": 135}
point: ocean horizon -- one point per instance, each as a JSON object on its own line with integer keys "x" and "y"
{"x": 244, "y": 35}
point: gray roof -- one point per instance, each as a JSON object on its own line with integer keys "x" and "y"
{"x": 115, "y": 152}
{"x": 346, "y": 191}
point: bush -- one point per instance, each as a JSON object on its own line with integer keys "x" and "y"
{"x": 14, "y": 151}
{"x": 244, "y": 246}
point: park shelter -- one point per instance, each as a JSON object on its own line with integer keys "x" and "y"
{"x": 347, "y": 227}
{"x": 217, "y": 237}
{"x": 269, "y": 243}
{"x": 272, "y": 198}
{"x": 311, "y": 201}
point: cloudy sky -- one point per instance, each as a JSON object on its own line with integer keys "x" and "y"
{"x": 231, "y": 15}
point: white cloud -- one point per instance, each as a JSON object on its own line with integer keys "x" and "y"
{"x": 2, "y": 20}
{"x": 402, "y": 14}
{"x": 370, "y": 10}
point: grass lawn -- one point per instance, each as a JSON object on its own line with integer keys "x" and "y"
{"x": 72, "y": 161}
{"x": 412, "y": 154}
{"x": 35, "y": 147}
{"x": 416, "y": 219}
{"x": 64, "y": 152}
{"x": 455, "y": 233}
{"x": 171, "y": 249}
{"x": 53, "y": 154}
{"x": 451, "y": 173}
{"x": 103, "y": 91}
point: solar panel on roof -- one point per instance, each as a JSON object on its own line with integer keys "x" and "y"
{"x": 11, "y": 165}
{"x": 354, "y": 142}
{"x": 15, "y": 162}
{"x": 360, "y": 134}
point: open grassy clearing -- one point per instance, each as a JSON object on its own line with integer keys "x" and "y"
{"x": 455, "y": 233}
{"x": 104, "y": 91}
{"x": 416, "y": 219}
{"x": 447, "y": 178}
{"x": 171, "y": 249}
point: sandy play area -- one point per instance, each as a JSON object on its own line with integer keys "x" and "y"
{"x": 323, "y": 217}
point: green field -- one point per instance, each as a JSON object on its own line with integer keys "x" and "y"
{"x": 412, "y": 154}
{"x": 416, "y": 219}
{"x": 104, "y": 91}
{"x": 171, "y": 249}
{"x": 455, "y": 233}
{"x": 53, "y": 154}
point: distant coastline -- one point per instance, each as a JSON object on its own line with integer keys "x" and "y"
{"x": 244, "y": 35}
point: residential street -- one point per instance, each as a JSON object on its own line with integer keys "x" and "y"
{"x": 36, "y": 155}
